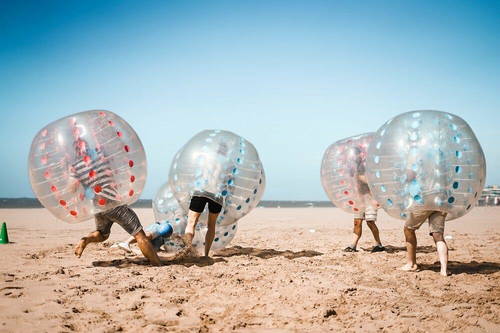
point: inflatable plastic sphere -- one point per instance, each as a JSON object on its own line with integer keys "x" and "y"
{"x": 343, "y": 174}
{"x": 167, "y": 209}
{"x": 86, "y": 163}
{"x": 426, "y": 160}
{"x": 224, "y": 165}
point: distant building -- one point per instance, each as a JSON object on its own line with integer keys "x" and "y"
{"x": 490, "y": 196}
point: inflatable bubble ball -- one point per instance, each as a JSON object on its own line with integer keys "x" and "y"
{"x": 224, "y": 165}
{"x": 86, "y": 163}
{"x": 426, "y": 160}
{"x": 343, "y": 174}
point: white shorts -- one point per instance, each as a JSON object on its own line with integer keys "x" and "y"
{"x": 369, "y": 214}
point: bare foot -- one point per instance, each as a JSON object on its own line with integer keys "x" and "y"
{"x": 409, "y": 268}
{"x": 80, "y": 247}
{"x": 187, "y": 239}
{"x": 445, "y": 273}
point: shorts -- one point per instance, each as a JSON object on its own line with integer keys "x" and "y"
{"x": 198, "y": 205}
{"x": 436, "y": 220}
{"x": 123, "y": 216}
{"x": 160, "y": 229}
{"x": 369, "y": 215}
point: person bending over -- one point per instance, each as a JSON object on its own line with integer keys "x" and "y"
{"x": 198, "y": 202}
{"x": 94, "y": 176}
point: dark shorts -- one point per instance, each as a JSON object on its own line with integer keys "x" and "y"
{"x": 123, "y": 216}
{"x": 198, "y": 205}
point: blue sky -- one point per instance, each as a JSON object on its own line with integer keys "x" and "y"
{"x": 290, "y": 76}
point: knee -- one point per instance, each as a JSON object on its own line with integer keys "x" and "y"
{"x": 141, "y": 237}
{"x": 371, "y": 224}
{"x": 102, "y": 236}
{"x": 358, "y": 222}
{"x": 409, "y": 233}
{"x": 438, "y": 237}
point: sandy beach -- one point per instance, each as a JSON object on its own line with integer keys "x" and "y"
{"x": 284, "y": 271}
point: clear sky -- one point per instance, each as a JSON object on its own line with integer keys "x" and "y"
{"x": 290, "y": 76}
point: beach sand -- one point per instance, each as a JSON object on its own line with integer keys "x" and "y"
{"x": 284, "y": 271}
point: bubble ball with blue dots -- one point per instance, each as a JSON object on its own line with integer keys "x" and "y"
{"x": 224, "y": 164}
{"x": 167, "y": 209}
{"x": 426, "y": 160}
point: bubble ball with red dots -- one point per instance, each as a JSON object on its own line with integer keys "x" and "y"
{"x": 86, "y": 163}
{"x": 343, "y": 174}
{"x": 426, "y": 160}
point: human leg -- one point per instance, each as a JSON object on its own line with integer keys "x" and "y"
{"x": 209, "y": 237}
{"x": 196, "y": 207}
{"x": 374, "y": 229}
{"x": 371, "y": 218}
{"x": 190, "y": 227}
{"x": 147, "y": 248}
{"x": 93, "y": 237}
{"x": 214, "y": 209}
{"x": 357, "y": 231}
{"x": 436, "y": 226}
{"x": 415, "y": 220}
{"x": 103, "y": 227}
{"x": 442, "y": 250}
{"x": 129, "y": 221}
{"x": 411, "y": 250}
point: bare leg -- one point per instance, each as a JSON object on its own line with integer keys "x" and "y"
{"x": 209, "y": 237}
{"x": 93, "y": 237}
{"x": 191, "y": 225}
{"x": 411, "y": 250}
{"x": 358, "y": 230}
{"x": 146, "y": 248}
{"x": 187, "y": 239}
{"x": 442, "y": 249}
{"x": 374, "y": 229}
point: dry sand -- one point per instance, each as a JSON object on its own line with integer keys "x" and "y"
{"x": 284, "y": 271}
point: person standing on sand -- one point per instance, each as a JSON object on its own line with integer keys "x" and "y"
{"x": 436, "y": 230}
{"x": 370, "y": 212}
{"x": 92, "y": 172}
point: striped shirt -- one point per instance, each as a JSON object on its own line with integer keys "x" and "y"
{"x": 95, "y": 174}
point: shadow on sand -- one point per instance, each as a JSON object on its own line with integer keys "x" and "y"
{"x": 396, "y": 249}
{"x": 187, "y": 262}
{"x": 264, "y": 253}
{"x": 456, "y": 267}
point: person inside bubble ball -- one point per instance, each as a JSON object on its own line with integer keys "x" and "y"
{"x": 201, "y": 198}
{"x": 156, "y": 233}
{"x": 370, "y": 213}
{"x": 415, "y": 219}
{"x": 92, "y": 173}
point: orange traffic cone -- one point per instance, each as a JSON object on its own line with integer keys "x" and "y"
{"x": 4, "y": 237}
